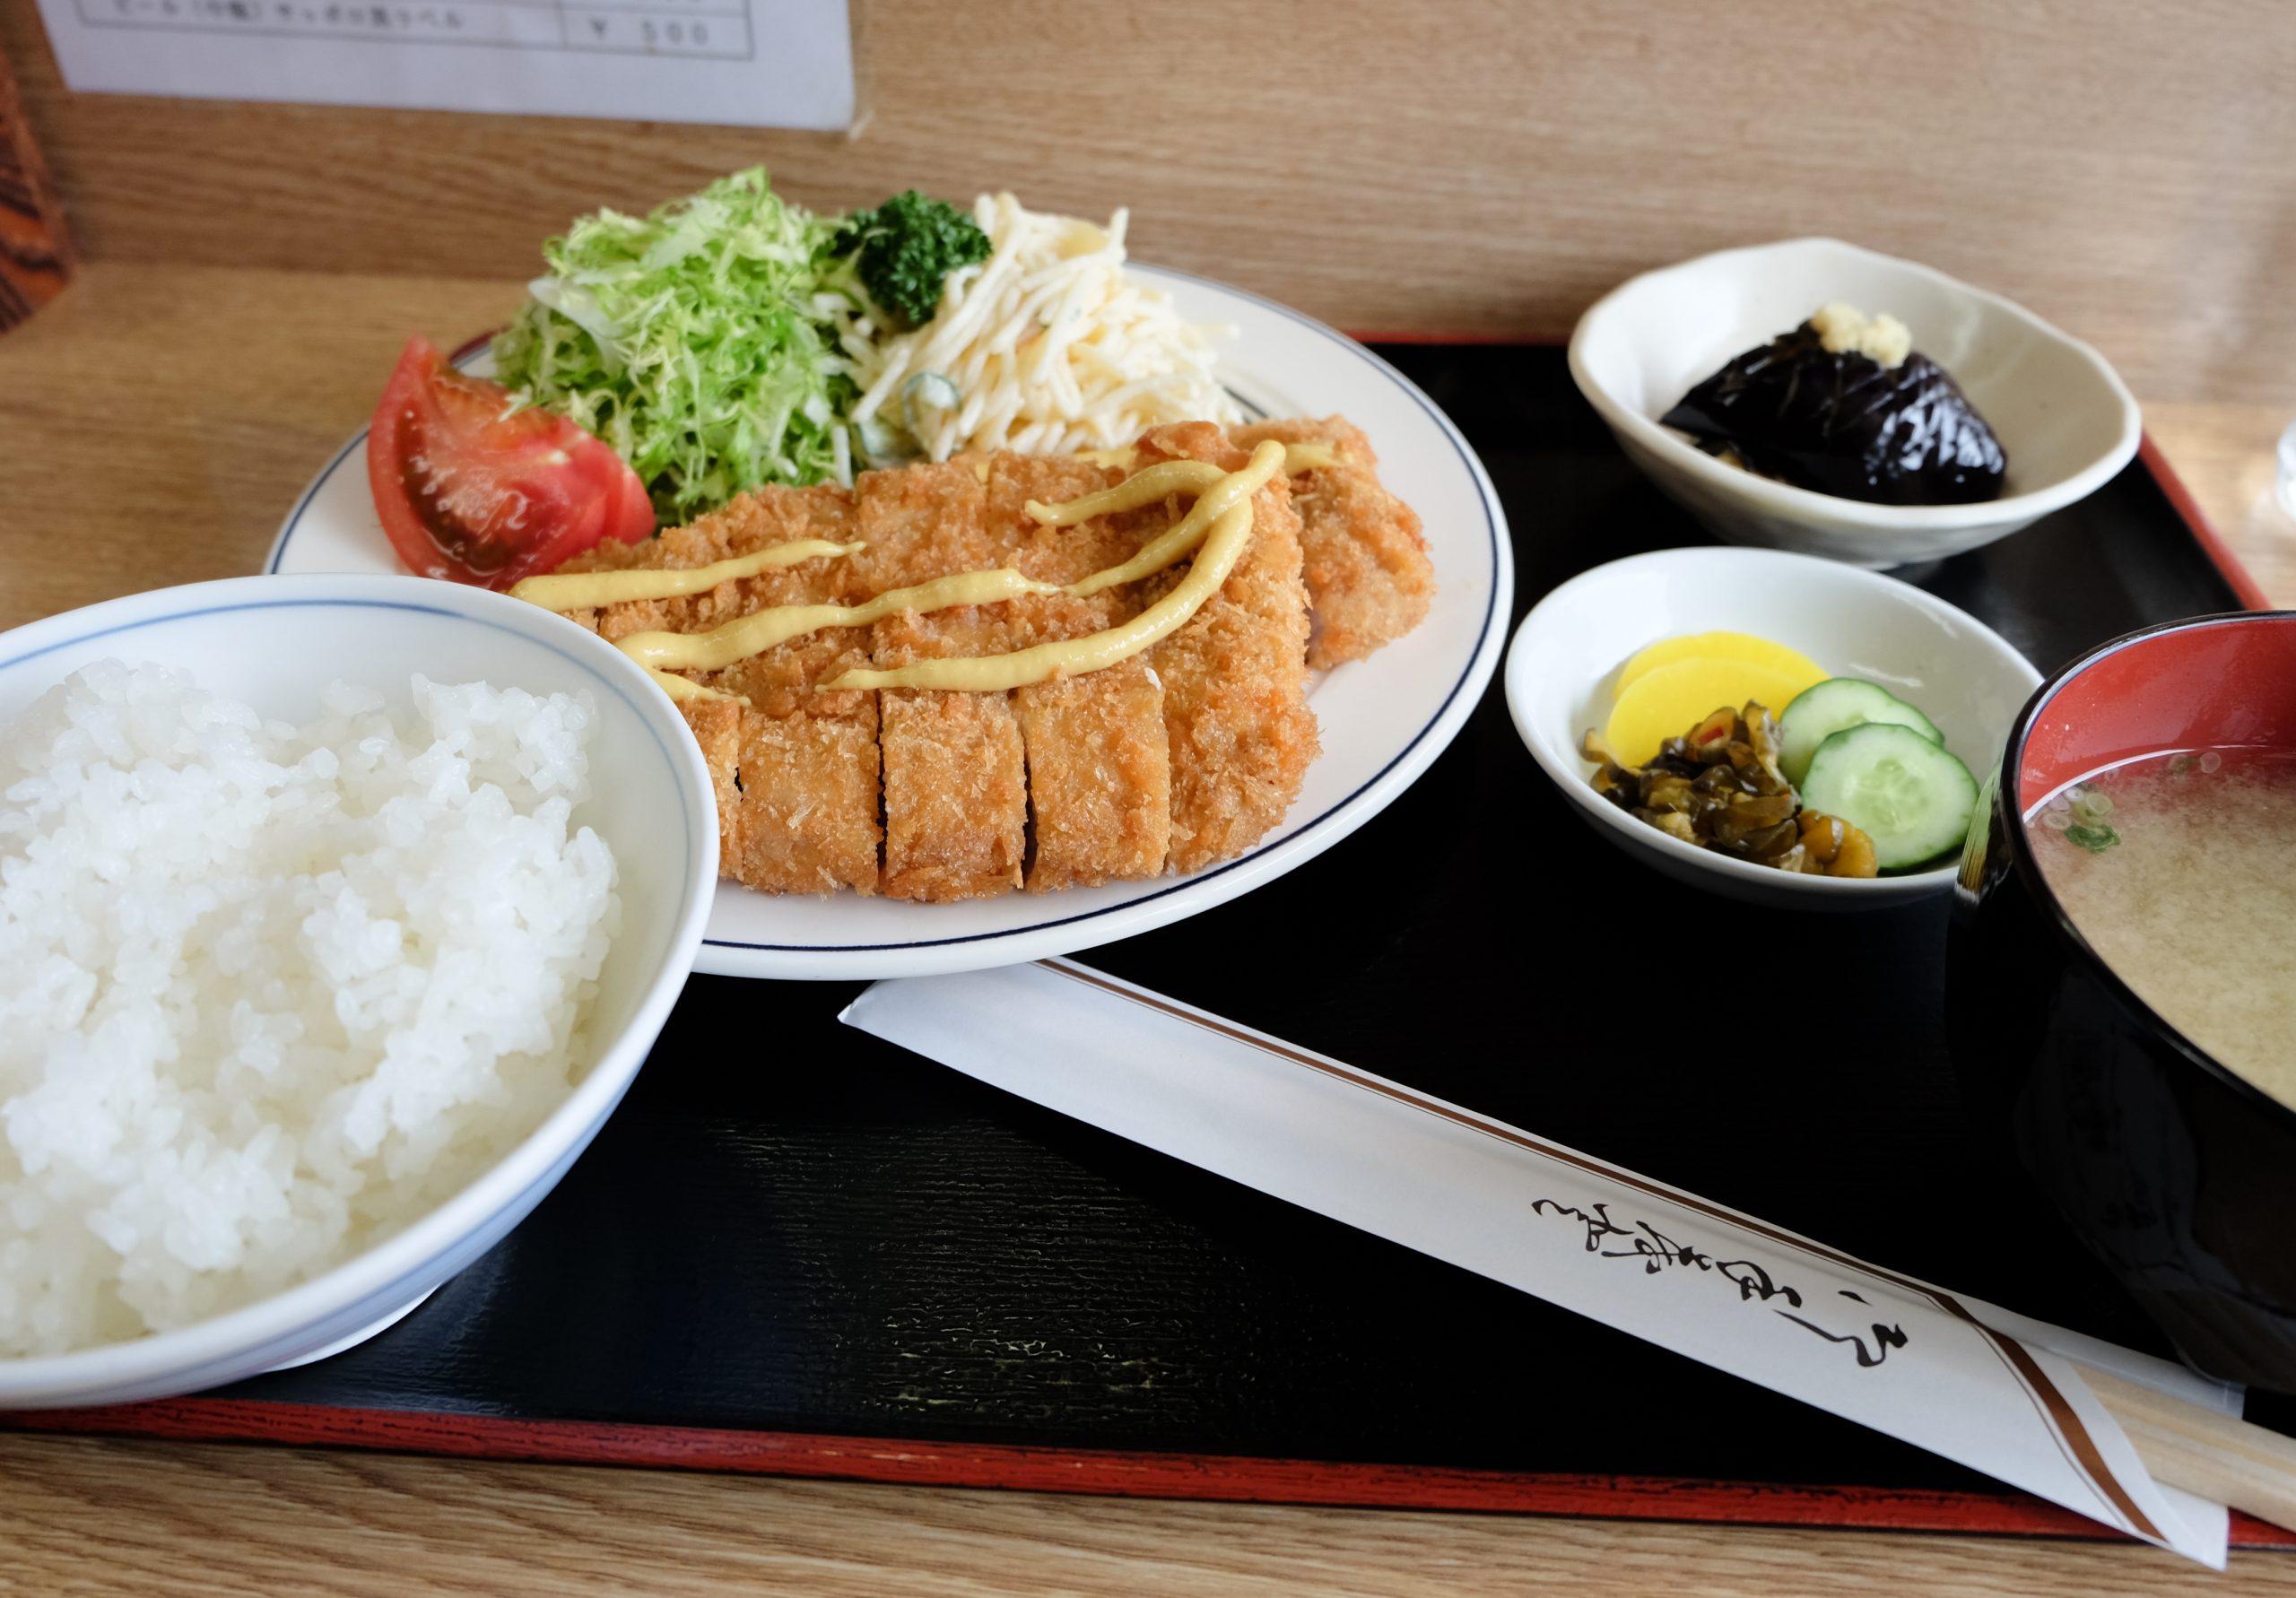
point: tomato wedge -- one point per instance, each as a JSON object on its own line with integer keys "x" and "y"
{"x": 475, "y": 492}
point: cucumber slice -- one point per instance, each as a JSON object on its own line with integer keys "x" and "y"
{"x": 1818, "y": 713}
{"x": 1913, "y": 798}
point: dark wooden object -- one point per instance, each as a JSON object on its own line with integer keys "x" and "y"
{"x": 36, "y": 254}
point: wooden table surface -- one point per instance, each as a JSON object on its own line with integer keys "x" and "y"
{"x": 155, "y": 424}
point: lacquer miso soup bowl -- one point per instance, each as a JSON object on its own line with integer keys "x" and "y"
{"x": 2119, "y": 970}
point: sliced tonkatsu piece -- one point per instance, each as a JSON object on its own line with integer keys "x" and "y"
{"x": 779, "y": 682}
{"x": 916, "y": 523}
{"x": 808, "y": 766}
{"x": 1100, "y": 776}
{"x": 1361, "y": 550}
{"x": 1099, "y": 766}
{"x": 795, "y": 771}
{"x": 1235, "y": 678}
{"x": 716, "y": 727}
{"x": 754, "y": 522}
{"x": 955, "y": 781}
{"x": 808, "y": 802}
{"x": 1059, "y": 554}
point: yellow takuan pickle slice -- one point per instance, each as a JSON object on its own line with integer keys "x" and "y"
{"x": 1668, "y": 701}
{"x": 1743, "y": 646}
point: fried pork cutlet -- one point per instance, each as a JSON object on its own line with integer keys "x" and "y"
{"x": 1369, "y": 579}
{"x": 956, "y": 784}
{"x": 800, "y": 766}
{"x": 1099, "y": 768}
{"x": 716, "y": 727}
{"x": 1060, "y": 554}
{"x": 1235, "y": 677}
{"x": 1180, "y": 757}
{"x": 808, "y": 771}
{"x": 1100, "y": 776}
{"x": 1085, "y": 759}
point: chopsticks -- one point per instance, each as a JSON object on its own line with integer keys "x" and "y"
{"x": 2212, "y": 1455}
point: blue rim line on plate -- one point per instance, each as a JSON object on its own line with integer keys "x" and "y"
{"x": 1491, "y": 525}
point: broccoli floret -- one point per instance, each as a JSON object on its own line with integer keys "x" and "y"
{"x": 908, "y": 246}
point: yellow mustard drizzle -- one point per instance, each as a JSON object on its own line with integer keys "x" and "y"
{"x": 1072, "y": 658}
{"x": 1219, "y": 523}
{"x": 1223, "y": 546}
{"x": 578, "y": 591}
{"x": 760, "y": 630}
{"x": 681, "y": 689}
{"x": 1142, "y": 488}
{"x": 1160, "y": 482}
{"x": 1226, "y": 491}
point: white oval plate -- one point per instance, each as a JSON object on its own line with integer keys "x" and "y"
{"x": 1383, "y": 720}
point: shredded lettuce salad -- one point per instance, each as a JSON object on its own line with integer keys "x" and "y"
{"x": 706, "y": 344}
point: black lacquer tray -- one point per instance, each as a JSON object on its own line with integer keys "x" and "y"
{"x": 797, "y": 1249}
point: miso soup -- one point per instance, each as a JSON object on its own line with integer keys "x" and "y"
{"x": 2180, "y": 872}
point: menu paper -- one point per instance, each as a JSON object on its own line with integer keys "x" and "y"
{"x": 742, "y": 63}
{"x": 1991, "y": 1390}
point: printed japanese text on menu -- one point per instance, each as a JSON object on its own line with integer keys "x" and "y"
{"x": 753, "y": 63}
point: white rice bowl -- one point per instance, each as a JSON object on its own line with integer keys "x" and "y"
{"x": 268, "y": 995}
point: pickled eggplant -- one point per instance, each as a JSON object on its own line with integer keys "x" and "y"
{"x": 1844, "y": 405}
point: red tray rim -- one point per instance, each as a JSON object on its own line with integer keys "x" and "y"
{"x": 2212, "y": 545}
{"x": 1109, "y": 1472}
{"x": 1104, "y": 1472}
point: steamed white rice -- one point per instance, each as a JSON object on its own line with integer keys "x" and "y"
{"x": 269, "y": 994}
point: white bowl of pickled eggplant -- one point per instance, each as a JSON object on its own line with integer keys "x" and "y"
{"x": 1812, "y": 395}
{"x": 1780, "y": 729}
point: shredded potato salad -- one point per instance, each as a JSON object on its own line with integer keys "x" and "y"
{"x": 733, "y": 340}
{"x": 1046, "y": 347}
